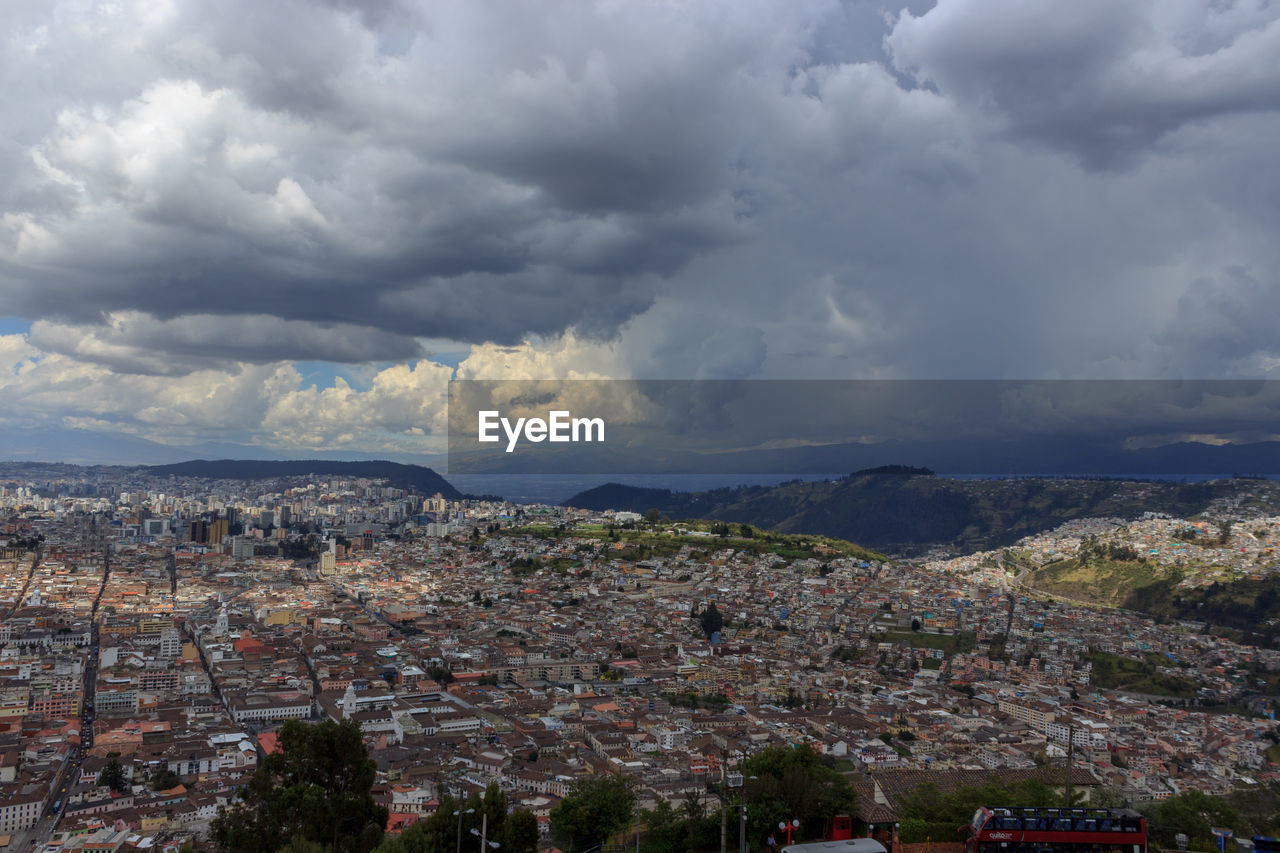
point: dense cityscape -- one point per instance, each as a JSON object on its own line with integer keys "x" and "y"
{"x": 158, "y": 632}
{"x": 857, "y": 426}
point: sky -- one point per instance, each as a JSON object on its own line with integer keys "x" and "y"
{"x": 281, "y": 228}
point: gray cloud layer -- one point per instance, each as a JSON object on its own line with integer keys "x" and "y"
{"x": 977, "y": 188}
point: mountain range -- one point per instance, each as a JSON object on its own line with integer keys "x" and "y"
{"x": 906, "y": 511}
{"x": 416, "y": 477}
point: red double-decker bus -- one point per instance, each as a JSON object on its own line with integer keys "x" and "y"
{"x": 1056, "y": 830}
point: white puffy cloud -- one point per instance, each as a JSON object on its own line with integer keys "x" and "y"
{"x": 400, "y": 408}
{"x": 58, "y": 390}
{"x": 401, "y": 411}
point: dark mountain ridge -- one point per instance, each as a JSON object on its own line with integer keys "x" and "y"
{"x": 905, "y": 513}
{"x": 414, "y": 477}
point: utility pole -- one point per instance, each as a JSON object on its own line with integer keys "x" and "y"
{"x": 458, "y": 814}
{"x": 1071, "y": 747}
{"x": 724, "y": 814}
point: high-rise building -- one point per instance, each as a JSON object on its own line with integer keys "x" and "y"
{"x": 170, "y": 643}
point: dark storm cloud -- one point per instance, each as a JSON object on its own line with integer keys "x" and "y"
{"x": 1103, "y": 80}
{"x": 312, "y": 163}
{"x": 138, "y": 343}
{"x": 962, "y": 427}
{"x": 721, "y": 189}
{"x": 1225, "y": 319}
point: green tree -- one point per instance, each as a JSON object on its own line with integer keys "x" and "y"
{"x": 1259, "y": 807}
{"x": 493, "y": 805}
{"x": 519, "y": 832}
{"x": 316, "y": 788}
{"x": 1108, "y": 798}
{"x": 298, "y": 844}
{"x": 436, "y": 834}
{"x": 595, "y": 808}
{"x": 516, "y": 832}
{"x": 711, "y": 620}
{"x": 112, "y": 776}
{"x": 1192, "y": 812}
{"x": 164, "y": 779}
{"x": 793, "y": 783}
{"x": 664, "y": 830}
{"x": 440, "y": 674}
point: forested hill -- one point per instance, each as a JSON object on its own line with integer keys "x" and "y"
{"x": 416, "y": 477}
{"x": 904, "y": 512}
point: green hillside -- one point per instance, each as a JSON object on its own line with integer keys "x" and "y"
{"x": 1101, "y": 579}
{"x": 644, "y": 541}
{"x": 1251, "y": 608}
{"x": 907, "y": 513}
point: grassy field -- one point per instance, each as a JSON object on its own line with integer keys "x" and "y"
{"x": 644, "y": 542}
{"x": 965, "y": 641}
{"x": 1106, "y": 581}
{"x": 1114, "y": 672}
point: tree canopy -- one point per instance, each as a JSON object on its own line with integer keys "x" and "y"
{"x": 711, "y": 620}
{"x": 112, "y": 776}
{"x": 317, "y": 788}
{"x": 1192, "y": 812}
{"x": 595, "y": 808}
{"x": 793, "y": 783}
{"x": 516, "y": 832}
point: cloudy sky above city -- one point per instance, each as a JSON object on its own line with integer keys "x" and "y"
{"x": 287, "y": 225}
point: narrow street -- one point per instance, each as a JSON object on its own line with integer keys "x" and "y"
{"x": 106, "y": 576}
{"x": 204, "y": 664}
{"x": 40, "y": 833}
{"x": 26, "y": 586}
{"x": 373, "y": 612}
